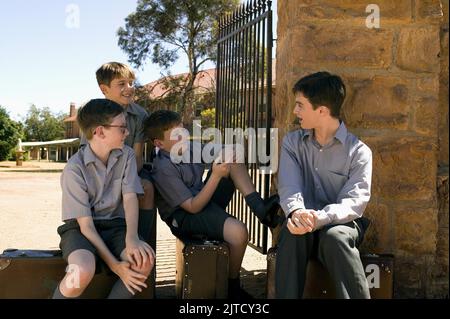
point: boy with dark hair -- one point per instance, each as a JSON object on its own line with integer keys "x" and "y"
{"x": 191, "y": 207}
{"x": 100, "y": 206}
{"x": 324, "y": 184}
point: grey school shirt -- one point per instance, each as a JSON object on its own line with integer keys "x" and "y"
{"x": 177, "y": 182}
{"x": 135, "y": 116}
{"x": 89, "y": 188}
{"x": 333, "y": 179}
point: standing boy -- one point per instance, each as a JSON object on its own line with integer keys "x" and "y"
{"x": 324, "y": 185}
{"x": 100, "y": 206}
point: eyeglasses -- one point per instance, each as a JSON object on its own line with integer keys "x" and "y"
{"x": 123, "y": 128}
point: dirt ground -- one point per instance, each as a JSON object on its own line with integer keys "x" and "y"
{"x": 30, "y": 212}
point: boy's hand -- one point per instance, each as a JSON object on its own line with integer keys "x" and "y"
{"x": 139, "y": 252}
{"x": 131, "y": 279}
{"x": 301, "y": 222}
{"x": 221, "y": 169}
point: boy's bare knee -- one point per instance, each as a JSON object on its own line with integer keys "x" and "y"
{"x": 87, "y": 272}
{"x": 235, "y": 232}
{"x": 80, "y": 271}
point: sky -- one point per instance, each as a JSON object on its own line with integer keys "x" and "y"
{"x": 50, "y": 50}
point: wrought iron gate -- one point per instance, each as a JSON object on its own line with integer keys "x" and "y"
{"x": 244, "y": 95}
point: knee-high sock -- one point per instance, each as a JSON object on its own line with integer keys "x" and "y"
{"x": 119, "y": 291}
{"x": 256, "y": 204}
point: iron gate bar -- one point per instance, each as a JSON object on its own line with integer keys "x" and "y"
{"x": 244, "y": 60}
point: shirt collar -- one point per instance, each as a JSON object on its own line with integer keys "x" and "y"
{"x": 131, "y": 108}
{"x": 340, "y": 135}
{"x": 89, "y": 156}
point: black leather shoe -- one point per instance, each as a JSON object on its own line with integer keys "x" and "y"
{"x": 272, "y": 205}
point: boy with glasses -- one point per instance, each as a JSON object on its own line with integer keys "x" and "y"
{"x": 116, "y": 81}
{"x": 100, "y": 206}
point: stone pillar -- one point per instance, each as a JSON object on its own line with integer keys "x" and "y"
{"x": 394, "y": 88}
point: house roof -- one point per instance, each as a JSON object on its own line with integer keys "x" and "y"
{"x": 204, "y": 82}
{"x": 70, "y": 119}
{"x": 57, "y": 142}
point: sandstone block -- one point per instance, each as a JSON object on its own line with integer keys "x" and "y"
{"x": 346, "y": 11}
{"x": 378, "y": 102}
{"x": 403, "y": 168}
{"x": 426, "y": 117}
{"x": 341, "y": 46}
{"x": 415, "y": 229}
{"x": 418, "y": 49}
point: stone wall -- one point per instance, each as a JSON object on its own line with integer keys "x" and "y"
{"x": 397, "y": 103}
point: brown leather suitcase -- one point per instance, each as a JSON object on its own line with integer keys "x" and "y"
{"x": 379, "y": 272}
{"x": 34, "y": 274}
{"x": 202, "y": 269}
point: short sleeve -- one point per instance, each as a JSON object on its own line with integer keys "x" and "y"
{"x": 75, "y": 197}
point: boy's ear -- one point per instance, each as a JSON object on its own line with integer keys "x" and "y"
{"x": 99, "y": 132}
{"x": 324, "y": 110}
{"x": 158, "y": 143}
{"x": 104, "y": 88}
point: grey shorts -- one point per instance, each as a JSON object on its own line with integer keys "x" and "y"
{"x": 209, "y": 222}
{"x": 112, "y": 232}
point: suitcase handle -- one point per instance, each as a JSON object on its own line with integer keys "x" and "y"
{"x": 14, "y": 253}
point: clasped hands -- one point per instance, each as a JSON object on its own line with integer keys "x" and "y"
{"x": 302, "y": 221}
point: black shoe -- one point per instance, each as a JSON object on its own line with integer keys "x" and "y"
{"x": 272, "y": 205}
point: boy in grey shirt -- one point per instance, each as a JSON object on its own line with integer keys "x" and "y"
{"x": 324, "y": 185}
{"x": 116, "y": 81}
{"x": 100, "y": 206}
{"x": 191, "y": 207}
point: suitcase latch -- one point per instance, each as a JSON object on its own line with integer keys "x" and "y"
{"x": 4, "y": 263}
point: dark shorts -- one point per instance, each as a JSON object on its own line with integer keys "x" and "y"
{"x": 209, "y": 222}
{"x": 145, "y": 173}
{"x": 112, "y": 232}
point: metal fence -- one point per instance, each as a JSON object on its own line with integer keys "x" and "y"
{"x": 244, "y": 95}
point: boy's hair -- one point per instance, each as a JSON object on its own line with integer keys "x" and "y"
{"x": 159, "y": 122}
{"x": 112, "y": 70}
{"x": 323, "y": 88}
{"x": 95, "y": 113}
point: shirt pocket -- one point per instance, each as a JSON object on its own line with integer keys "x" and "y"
{"x": 110, "y": 198}
{"x": 336, "y": 182}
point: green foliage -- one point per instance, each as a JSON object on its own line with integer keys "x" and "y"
{"x": 43, "y": 125}
{"x": 162, "y": 30}
{"x": 10, "y": 132}
{"x": 208, "y": 117}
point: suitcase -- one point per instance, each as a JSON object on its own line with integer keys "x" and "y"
{"x": 202, "y": 269}
{"x": 379, "y": 272}
{"x": 34, "y": 274}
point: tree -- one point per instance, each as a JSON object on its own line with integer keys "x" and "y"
{"x": 162, "y": 29}
{"x": 10, "y": 132}
{"x": 43, "y": 125}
